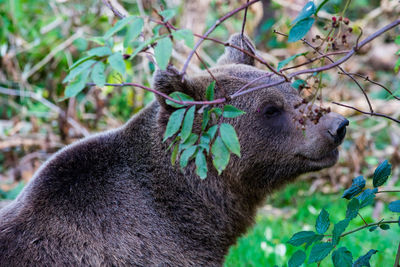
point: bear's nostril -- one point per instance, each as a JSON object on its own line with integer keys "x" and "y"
{"x": 341, "y": 130}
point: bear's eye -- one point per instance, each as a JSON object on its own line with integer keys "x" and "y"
{"x": 272, "y": 111}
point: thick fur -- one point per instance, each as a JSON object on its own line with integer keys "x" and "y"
{"x": 114, "y": 199}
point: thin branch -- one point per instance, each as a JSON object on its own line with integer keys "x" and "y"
{"x": 362, "y": 218}
{"x": 365, "y": 226}
{"x": 48, "y": 104}
{"x": 388, "y": 191}
{"x": 210, "y": 30}
{"x": 216, "y": 101}
{"x": 368, "y": 113}
{"x": 309, "y": 61}
{"x": 244, "y": 18}
{"x": 116, "y": 12}
{"x": 366, "y": 78}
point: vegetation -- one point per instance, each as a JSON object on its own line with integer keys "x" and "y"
{"x": 68, "y": 69}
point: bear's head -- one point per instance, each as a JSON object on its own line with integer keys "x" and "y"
{"x": 277, "y": 142}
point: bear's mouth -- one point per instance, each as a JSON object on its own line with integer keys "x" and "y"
{"x": 323, "y": 161}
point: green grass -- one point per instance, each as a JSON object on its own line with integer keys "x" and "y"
{"x": 265, "y": 243}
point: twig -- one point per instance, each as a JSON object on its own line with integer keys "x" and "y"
{"x": 368, "y": 113}
{"x": 216, "y": 101}
{"x": 48, "y": 104}
{"x": 244, "y": 18}
{"x": 365, "y": 226}
{"x": 366, "y": 78}
{"x": 388, "y": 191}
{"x": 210, "y": 30}
{"x": 116, "y": 12}
{"x": 309, "y": 61}
{"x": 362, "y": 218}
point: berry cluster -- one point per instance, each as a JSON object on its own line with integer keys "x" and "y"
{"x": 309, "y": 112}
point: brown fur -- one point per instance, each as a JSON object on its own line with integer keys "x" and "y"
{"x": 114, "y": 199}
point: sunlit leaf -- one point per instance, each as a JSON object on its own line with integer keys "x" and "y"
{"x": 117, "y": 62}
{"x": 77, "y": 85}
{"x": 300, "y": 29}
{"x": 286, "y": 61}
{"x": 78, "y": 70}
{"x": 232, "y": 112}
{"x": 210, "y": 91}
{"x": 100, "y": 51}
{"x": 168, "y": 14}
{"x": 174, "y": 154}
{"x": 186, "y": 155}
{"x": 201, "y": 165}
{"x": 180, "y": 97}
{"x": 118, "y": 26}
{"x": 229, "y": 137}
{"x": 220, "y": 154}
{"x": 188, "y": 123}
{"x": 134, "y": 29}
{"x": 186, "y": 35}
{"x": 174, "y": 123}
{"x": 162, "y": 52}
{"x": 307, "y": 11}
{"x": 98, "y": 76}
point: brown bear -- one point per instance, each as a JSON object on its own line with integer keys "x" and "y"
{"x": 114, "y": 199}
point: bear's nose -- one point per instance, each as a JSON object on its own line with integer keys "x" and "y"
{"x": 338, "y": 131}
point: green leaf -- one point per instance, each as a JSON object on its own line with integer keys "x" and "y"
{"x": 397, "y": 40}
{"x": 382, "y": 173}
{"x": 307, "y": 11}
{"x": 397, "y": 66}
{"x": 297, "y": 259}
{"x": 206, "y": 119}
{"x": 186, "y": 35}
{"x": 162, "y": 52}
{"x": 180, "y": 97}
{"x": 174, "y": 154}
{"x": 100, "y": 51}
{"x": 212, "y": 131}
{"x": 168, "y": 14}
{"x": 201, "y": 165}
{"x": 352, "y": 209}
{"x": 356, "y": 187}
{"x": 134, "y": 29}
{"x": 338, "y": 230}
{"x": 364, "y": 260}
{"x": 300, "y": 29}
{"x": 286, "y": 61}
{"x": 232, "y": 112}
{"x": 322, "y": 223}
{"x": 319, "y": 252}
{"x": 210, "y": 91}
{"x": 118, "y": 26}
{"x": 77, "y": 85}
{"x": 229, "y": 137}
{"x": 366, "y": 197}
{"x": 80, "y": 61}
{"x": 342, "y": 258}
{"x": 220, "y": 155}
{"x": 205, "y": 142}
{"x": 297, "y": 83}
{"x": 174, "y": 123}
{"x": 394, "y": 206}
{"x": 186, "y": 156}
{"x": 384, "y": 226}
{"x": 189, "y": 142}
{"x": 78, "y": 70}
{"x": 371, "y": 229}
{"x": 117, "y": 62}
{"x": 302, "y": 237}
{"x": 216, "y": 111}
{"x": 188, "y": 123}
{"x": 97, "y": 75}
{"x": 320, "y": 6}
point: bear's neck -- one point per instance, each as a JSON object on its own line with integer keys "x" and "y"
{"x": 205, "y": 216}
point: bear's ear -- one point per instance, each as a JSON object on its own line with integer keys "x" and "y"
{"x": 168, "y": 81}
{"x": 233, "y": 55}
